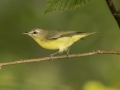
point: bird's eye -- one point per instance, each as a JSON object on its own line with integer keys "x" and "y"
{"x": 34, "y": 32}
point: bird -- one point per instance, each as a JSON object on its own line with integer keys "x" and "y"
{"x": 56, "y": 39}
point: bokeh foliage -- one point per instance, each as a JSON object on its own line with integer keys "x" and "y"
{"x": 98, "y": 71}
{"x": 64, "y": 5}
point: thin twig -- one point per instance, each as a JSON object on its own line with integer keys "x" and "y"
{"x": 60, "y": 57}
{"x": 116, "y": 13}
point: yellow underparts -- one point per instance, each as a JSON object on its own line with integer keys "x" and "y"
{"x": 61, "y": 43}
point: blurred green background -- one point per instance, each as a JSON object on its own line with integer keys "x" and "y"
{"x": 97, "y": 72}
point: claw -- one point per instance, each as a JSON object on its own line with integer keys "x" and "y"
{"x": 68, "y": 56}
{"x": 51, "y": 56}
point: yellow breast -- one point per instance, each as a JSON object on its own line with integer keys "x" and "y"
{"x": 61, "y": 43}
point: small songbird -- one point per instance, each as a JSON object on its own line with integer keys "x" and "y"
{"x": 54, "y": 39}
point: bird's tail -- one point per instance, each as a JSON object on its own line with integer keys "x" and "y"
{"x": 81, "y": 35}
{"x": 87, "y": 34}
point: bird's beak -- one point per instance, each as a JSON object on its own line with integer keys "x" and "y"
{"x": 25, "y": 33}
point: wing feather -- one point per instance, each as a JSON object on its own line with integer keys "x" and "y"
{"x": 58, "y": 34}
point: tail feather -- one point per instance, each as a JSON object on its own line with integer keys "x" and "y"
{"x": 86, "y": 34}
{"x": 91, "y": 33}
{"x": 82, "y": 35}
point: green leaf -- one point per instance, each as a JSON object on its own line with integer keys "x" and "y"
{"x": 64, "y": 5}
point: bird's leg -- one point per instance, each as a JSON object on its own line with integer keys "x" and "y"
{"x": 68, "y": 49}
{"x": 51, "y": 55}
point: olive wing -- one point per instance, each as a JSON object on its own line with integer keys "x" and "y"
{"x": 58, "y": 34}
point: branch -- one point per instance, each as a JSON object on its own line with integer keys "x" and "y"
{"x": 114, "y": 12}
{"x": 60, "y": 57}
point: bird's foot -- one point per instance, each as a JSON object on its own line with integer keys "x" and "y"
{"x": 68, "y": 56}
{"x": 51, "y": 56}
